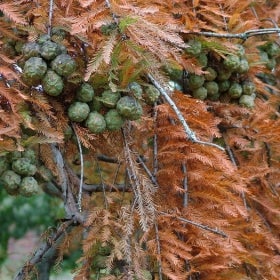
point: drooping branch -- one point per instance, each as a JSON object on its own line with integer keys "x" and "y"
{"x": 190, "y": 134}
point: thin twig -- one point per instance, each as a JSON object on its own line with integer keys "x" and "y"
{"x": 158, "y": 252}
{"x": 190, "y": 134}
{"x": 116, "y": 173}
{"x": 216, "y": 231}
{"x": 50, "y": 17}
{"x": 147, "y": 170}
{"x": 102, "y": 184}
{"x": 81, "y": 169}
{"x": 155, "y": 145}
{"x": 243, "y": 36}
{"x": 185, "y": 185}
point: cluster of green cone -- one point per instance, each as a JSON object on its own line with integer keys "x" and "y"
{"x": 269, "y": 54}
{"x": 224, "y": 77}
{"x": 22, "y": 174}
{"x": 46, "y": 63}
{"x": 17, "y": 170}
{"x": 109, "y": 110}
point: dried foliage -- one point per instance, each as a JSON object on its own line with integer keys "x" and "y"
{"x": 185, "y": 210}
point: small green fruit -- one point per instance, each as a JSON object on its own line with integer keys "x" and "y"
{"x": 50, "y": 50}
{"x": 200, "y": 93}
{"x": 232, "y": 62}
{"x": 272, "y": 49}
{"x": 29, "y": 186}
{"x": 11, "y": 181}
{"x": 114, "y": 120}
{"x": 211, "y": 75}
{"x": 243, "y": 66}
{"x": 85, "y": 93}
{"x": 202, "y": 59}
{"x": 224, "y": 74}
{"x": 224, "y": 86}
{"x": 29, "y": 50}
{"x": 247, "y": 100}
{"x": 34, "y": 70}
{"x": 129, "y": 108}
{"x": 212, "y": 88}
{"x": 248, "y": 88}
{"x": 78, "y": 111}
{"x": 31, "y": 155}
{"x": 235, "y": 90}
{"x": 4, "y": 164}
{"x": 95, "y": 122}
{"x": 195, "y": 81}
{"x": 135, "y": 89}
{"x": 109, "y": 98}
{"x": 43, "y": 38}
{"x": 194, "y": 48}
{"x": 151, "y": 94}
{"x": 23, "y": 166}
{"x": 52, "y": 83}
{"x": 58, "y": 32}
{"x": 14, "y": 155}
{"x": 240, "y": 50}
{"x": 64, "y": 65}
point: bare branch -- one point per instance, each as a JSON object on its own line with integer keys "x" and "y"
{"x": 70, "y": 204}
{"x": 243, "y": 36}
{"x": 158, "y": 252}
{"x": 185, "y": 185}
{"x": 147, "y": 170}
{"x": 50, "y": 17}
{"x": 216, "y": 231}
{"x": 82, "y": 169}
{"x": 155, "y": 146}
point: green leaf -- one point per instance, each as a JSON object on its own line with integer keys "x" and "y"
{"x": 125, "y": 22}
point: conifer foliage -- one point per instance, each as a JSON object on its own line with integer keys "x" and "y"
{"x": 175, "y": 104}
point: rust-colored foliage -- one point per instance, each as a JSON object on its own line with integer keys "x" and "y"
{"x": 162, "y": 203}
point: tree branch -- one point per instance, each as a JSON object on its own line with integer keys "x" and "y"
{"x": 42, "y": 254}
{"x": 243, "y": 36}
{"x": 216, "y": 231}
{"x": 82, "y": 169}
{"x": 191, "y": 135}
